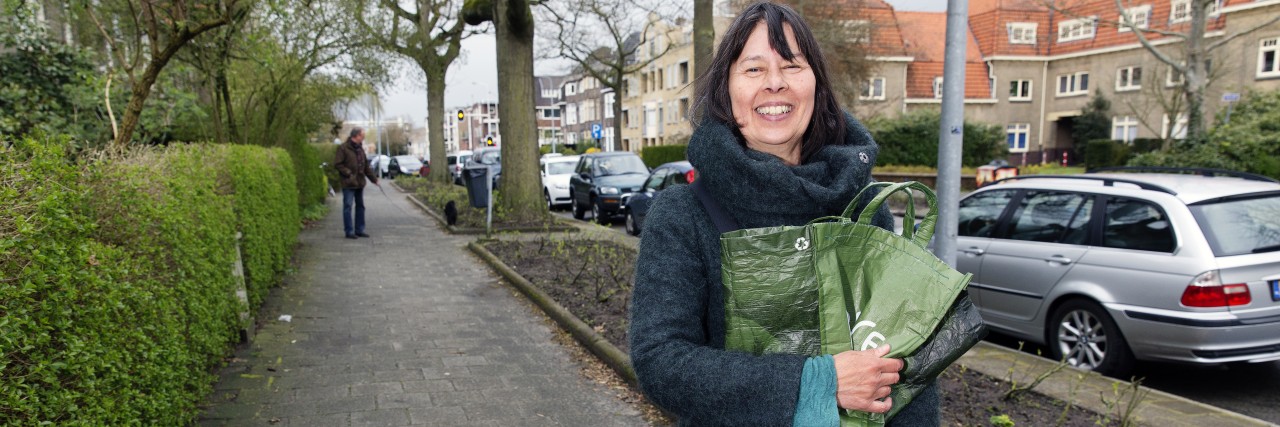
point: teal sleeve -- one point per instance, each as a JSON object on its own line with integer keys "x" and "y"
{"x": 817, "y": 404}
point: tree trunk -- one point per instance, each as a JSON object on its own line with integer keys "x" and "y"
{"x": 435, "y": 126}
{"x": 617, "y": 106}
{"x": 521, "y": 183}
{"x": 704, "y": 36}
{"x": 140, "y": 92}
{"x": 1196, "y": 76}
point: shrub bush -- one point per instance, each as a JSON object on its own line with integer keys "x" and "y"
{"x": 325, "y": 153}
{"x": 912, "y": 139}
{"x": 659, "y": 154}
{"x": 118, "y": 293}
{"x": 1102, "y": 153}
{"x": 307, "y": 169}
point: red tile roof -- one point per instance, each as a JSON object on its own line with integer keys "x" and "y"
{"x": 924, "y": 38}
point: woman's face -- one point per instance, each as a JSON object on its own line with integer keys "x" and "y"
{"x": 772, "y": 98}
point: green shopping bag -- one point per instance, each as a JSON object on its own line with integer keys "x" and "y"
{"x": 836, "y": 284}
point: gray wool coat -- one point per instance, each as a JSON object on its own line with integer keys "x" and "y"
{"x": 677, "y": 308}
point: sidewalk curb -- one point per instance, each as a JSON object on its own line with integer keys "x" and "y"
{"x": 1084, "y": 389}
{"x": 452, "y": 229}
{"x": 602, "y": 348}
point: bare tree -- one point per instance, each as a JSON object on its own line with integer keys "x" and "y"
{"x": 430, "y": 34}
{"x": 144, "y": 35}
{"x": 704, "y": 35}
{"x": 1192, "y": 62}
{"x": 521, "y": 182}
{"x": 604, "y": 39}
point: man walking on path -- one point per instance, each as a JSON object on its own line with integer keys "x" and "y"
{"x": 387, "y": 339}
{"x": 353, "y": 166}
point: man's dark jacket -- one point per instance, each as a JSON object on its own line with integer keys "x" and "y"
{"x": 353, "y": 165}
{"x": 677, "y": 308}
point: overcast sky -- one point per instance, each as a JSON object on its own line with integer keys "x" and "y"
{"x": 474, "y": 76}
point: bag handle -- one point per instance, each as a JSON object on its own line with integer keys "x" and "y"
{"x": 924, "y": 233}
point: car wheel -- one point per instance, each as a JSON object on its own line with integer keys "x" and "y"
{"x": 577, "y": 210}
{"x": 547, "y": 197}
{"x": 1082, "y": 333}
{"x": 632, "y": 229}
{"x": 597, "y": 214}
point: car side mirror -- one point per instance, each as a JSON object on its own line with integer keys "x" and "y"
{"x": 584, "y": 176}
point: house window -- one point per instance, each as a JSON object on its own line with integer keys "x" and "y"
{"x": 1268, "y": 64}
{"x": 570, "y": 89}
{"x": 937, "y": 87}
{"x": 1022, "y": 32}
{"x": 1137, "y": 17}
{"x": 1180, "y": 10}
{"x": 571, "y": 114}
{"x": 684, "y": 72}
{"x": 872, "y": 89}
{"x": 1020, "y": 90}
{"x": 1124, "y": 128}
{"x": 1076, "y": 29}
{"x": 1128, "y": 78}
{"x": 550, "y": 113}
{"x": 1016, "y": 135}
{"x": 1175, "y": 129}
{"x": 684, "y": 109}
{"x": 1173, "y": 77}
{"x": 608, "y": 105}
{"x": 1073, "y": 84}
{"x": 626, "y": 118}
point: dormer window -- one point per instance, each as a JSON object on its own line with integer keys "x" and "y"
{"x": 1022, "y": 32}
{"x": 1077, "y": 29}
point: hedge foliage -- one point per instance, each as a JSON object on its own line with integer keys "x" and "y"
{"x": 116, "y": 286}
{"x": 912, "y": 139}
{"x": 659, "y": 154}
{"x": 1250, "y": 142}
{"x": 1102, "y": 153}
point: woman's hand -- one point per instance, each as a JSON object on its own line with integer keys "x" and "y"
{"x": 863, "y": 377}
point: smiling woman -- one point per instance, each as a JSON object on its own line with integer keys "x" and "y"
{"x": 772, "y": 147}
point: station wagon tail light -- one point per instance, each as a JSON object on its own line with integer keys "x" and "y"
{"x": 1207, "y": 290}
{"x": 689, "y": 176}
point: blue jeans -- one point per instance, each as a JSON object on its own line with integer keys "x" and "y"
{"x": 349, "y": 196}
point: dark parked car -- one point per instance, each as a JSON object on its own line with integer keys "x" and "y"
{"x": 636, "y": 207}
{"x": 406, "y": 165}
{"x": 487, "y": 157}
{"x": 601, "y": 180}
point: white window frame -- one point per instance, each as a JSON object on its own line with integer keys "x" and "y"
{"x": 1125, "y": 81}
{"x": 872, "y": 89}
{"x": 1030, "y": 85}
{"x": 1022, "y": 32}
{"x": 1179, "y": 11}
{"x": 570, "y": 89}
{"x": 1126, "y": 127}
{"x": 1077, "y": 29}
{"x": 1272, "y": 46}
{"x": 1133, "y": 14}
{"x": 937, "y": 87}
{"x": 1179, "y": 128}
{"x": 571, "y": 114}
{"x": 1023, "y": 129}
{"x": 1074, "y": 88}
{"x": 608, "y": 105}
{"x": 1170, "y": 81}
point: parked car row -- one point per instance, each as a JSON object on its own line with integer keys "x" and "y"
{"x": 1109, "y": 268}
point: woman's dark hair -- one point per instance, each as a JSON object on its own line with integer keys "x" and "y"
{"x": 712, "y": 102}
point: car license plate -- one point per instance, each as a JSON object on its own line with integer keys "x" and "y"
{"x": 1275, "y": 290}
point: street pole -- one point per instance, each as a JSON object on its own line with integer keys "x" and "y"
{"x": 488, "y": 214}
{"x": 951, "y": 132}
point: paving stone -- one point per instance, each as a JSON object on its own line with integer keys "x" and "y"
{"x": 398, "y": 329}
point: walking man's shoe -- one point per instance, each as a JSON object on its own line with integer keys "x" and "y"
{"x": 361, "y": 235}
{"x": 351, "y": 236}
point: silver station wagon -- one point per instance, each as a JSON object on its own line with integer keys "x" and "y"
{"x": 1109, "y": 268}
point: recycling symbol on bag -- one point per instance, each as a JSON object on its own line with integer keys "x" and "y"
{"x": 802, "y": 244}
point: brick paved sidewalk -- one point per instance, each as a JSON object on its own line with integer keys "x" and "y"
{"x": 404, "y": 328}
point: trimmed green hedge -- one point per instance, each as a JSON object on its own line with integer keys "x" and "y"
{"x": 1102, "y": 153}
{"x": 912, "y": 139}
{"x": 657, "y": 155}
{"x": 116, "y": 286}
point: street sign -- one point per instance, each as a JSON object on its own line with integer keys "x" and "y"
{"x": 1230, "y": 97}
{"x": 595, "y": 130}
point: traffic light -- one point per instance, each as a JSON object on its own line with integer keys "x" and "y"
{"x": 461, "y": 115}
{"x": 488, "y": 141}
